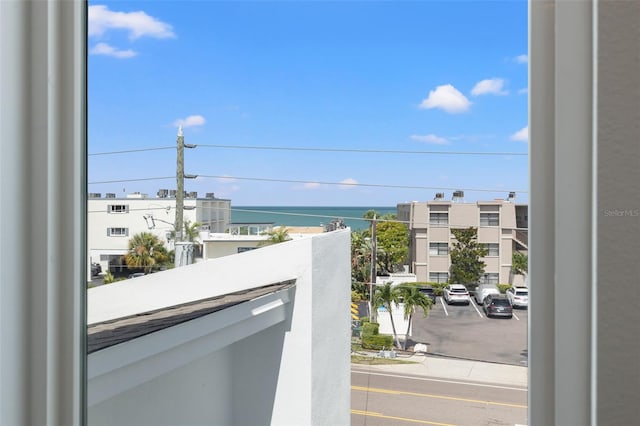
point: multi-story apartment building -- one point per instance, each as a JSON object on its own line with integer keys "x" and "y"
{"x": 113, "y": 220}
{"x": 501, "y": 224}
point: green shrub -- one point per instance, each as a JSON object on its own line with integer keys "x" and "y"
{"x": 108, "y": 278}
{"x": 377, "y": 341}
{"x": 370, "y": 328}
{"x": 364, "y": 319}
{"x": 503, "y": 287}
{"x": 437, "y": 288}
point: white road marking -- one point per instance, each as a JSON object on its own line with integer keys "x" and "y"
{"x": 444, "y": 307}
{"x": 516, "y": 317}
{"x": 475, "y": 307}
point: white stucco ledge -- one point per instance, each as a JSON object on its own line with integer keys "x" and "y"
{"x": 187, "y": 284}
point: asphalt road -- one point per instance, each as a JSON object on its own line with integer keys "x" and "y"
{"x": 463, "y": 331}
{"x": 382, "y": 399}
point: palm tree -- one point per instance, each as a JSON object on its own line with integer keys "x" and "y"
{"x": 278, "y": 235}
{"x": 145, "y": 251}
{"x": 387, "y": 296}
{"x": 190, "y": 231}
{"x": 412, "y": 298}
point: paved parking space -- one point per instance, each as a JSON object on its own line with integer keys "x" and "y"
{"x": 464, "y": 331}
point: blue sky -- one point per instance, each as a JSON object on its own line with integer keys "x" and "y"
{"x": 418, "y": 76}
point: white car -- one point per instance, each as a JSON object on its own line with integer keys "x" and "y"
{"x": 484, "y": 290}
{"x": 456, "y": 293}
{"x": 518, "y": 296}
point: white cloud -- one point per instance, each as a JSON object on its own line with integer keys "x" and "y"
{"x": 521, "y": 135}
{"x": 348, "y": 183}
{"x": 522, "y": 59}
{"x": 311, "y": 185}
{"x": 137, "y": 24}
{"x": 106, "y": 50}
{"x": 447, "y": 98}
{"x": 190, "y": 121}
{"x": 523, "y": 91}
{"x": 430, "y": 139}
{"x": 492, "y": 86}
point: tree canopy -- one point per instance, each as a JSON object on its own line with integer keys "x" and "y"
{"x": 519, "y": 263}
{"x": 466, "y": 266}
{"x": 393, "y": 242}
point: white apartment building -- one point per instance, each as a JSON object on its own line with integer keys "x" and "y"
{"x": 501, "y": 224}
{"x": 112, "y": 220}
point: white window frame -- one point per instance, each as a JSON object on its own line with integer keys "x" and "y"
{"x": 439, "y": 277}
{"x": 438, "y": 249}
{"x": 117, "y": 208}
{"x": 489, "y": 219}
{"x": 117, "y": 231}
{"x": 46, "y": 337}
{"x": 438, "y": 218}
{"x": 493, "y": 249}
{"x": 489, "y": 278}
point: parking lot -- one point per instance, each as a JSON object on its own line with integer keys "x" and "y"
{"x": 464, "y": 331}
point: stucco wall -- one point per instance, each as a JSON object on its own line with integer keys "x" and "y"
{"x": 295, "y": 372}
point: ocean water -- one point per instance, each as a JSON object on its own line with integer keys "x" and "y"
{"x": 305, "y": 216}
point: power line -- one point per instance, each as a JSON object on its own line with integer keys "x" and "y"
{"x": 371, "y": 185}
{"x": 370, "y": 151}
{"x": 131, "y": 150}
{"x": 130, "y": 180}
{"x": 312, "y": 149}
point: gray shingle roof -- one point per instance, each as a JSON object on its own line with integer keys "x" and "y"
{"x": 109, "y": 333}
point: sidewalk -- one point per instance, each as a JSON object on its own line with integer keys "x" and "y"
{"x": 454, "y": 369}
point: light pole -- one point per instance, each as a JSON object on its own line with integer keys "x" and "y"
{"x": 372, "y": 272}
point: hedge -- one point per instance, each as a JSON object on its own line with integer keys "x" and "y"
{"x": 370, "y": 329}
{"x": 377, "y": 341}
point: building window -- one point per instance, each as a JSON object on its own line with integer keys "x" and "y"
{"x": 118, "y": 208}
{"x": 438, "y": 249}
{"x": 438, "y": 218}
{"x": 493, "y": 249}
{"x": 117, "y": 232}
{"x": 243, "y": 249}
{"x": 438, "y": 277}
{"x": 492, "y": 278}
{"x": 489, "y": 219}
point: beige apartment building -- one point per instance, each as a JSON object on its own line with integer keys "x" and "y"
{"x": 501, "y": 224}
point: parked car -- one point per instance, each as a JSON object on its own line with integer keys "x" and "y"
{"x": 456, "y": 293}
{"x": 484, "y": 290}
{"x": 429, "y": 291}
{"x": 518, "y": 296}
{"x": 137, "y": 274}
{"x": 96, "y": 269}
{"x": 497, "y": 305}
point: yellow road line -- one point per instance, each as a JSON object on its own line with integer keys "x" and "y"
{"x": 427, "y": 395}
{"x": 404, "y": 419}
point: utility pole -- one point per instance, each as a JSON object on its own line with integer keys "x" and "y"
{"x": 372, "y": 279}
{"x": 179, "y": 186}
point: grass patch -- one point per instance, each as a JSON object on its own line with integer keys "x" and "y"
{"x": 372, "y": 360}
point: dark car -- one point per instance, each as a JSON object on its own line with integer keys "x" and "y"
{"x": 96, "y": 269}
{"x": 497, "y": 306}
{"x": 429, "y": 291}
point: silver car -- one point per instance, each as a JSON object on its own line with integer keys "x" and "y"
{"x": 456, "y": 293}
{"x": 484, "y": 290}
